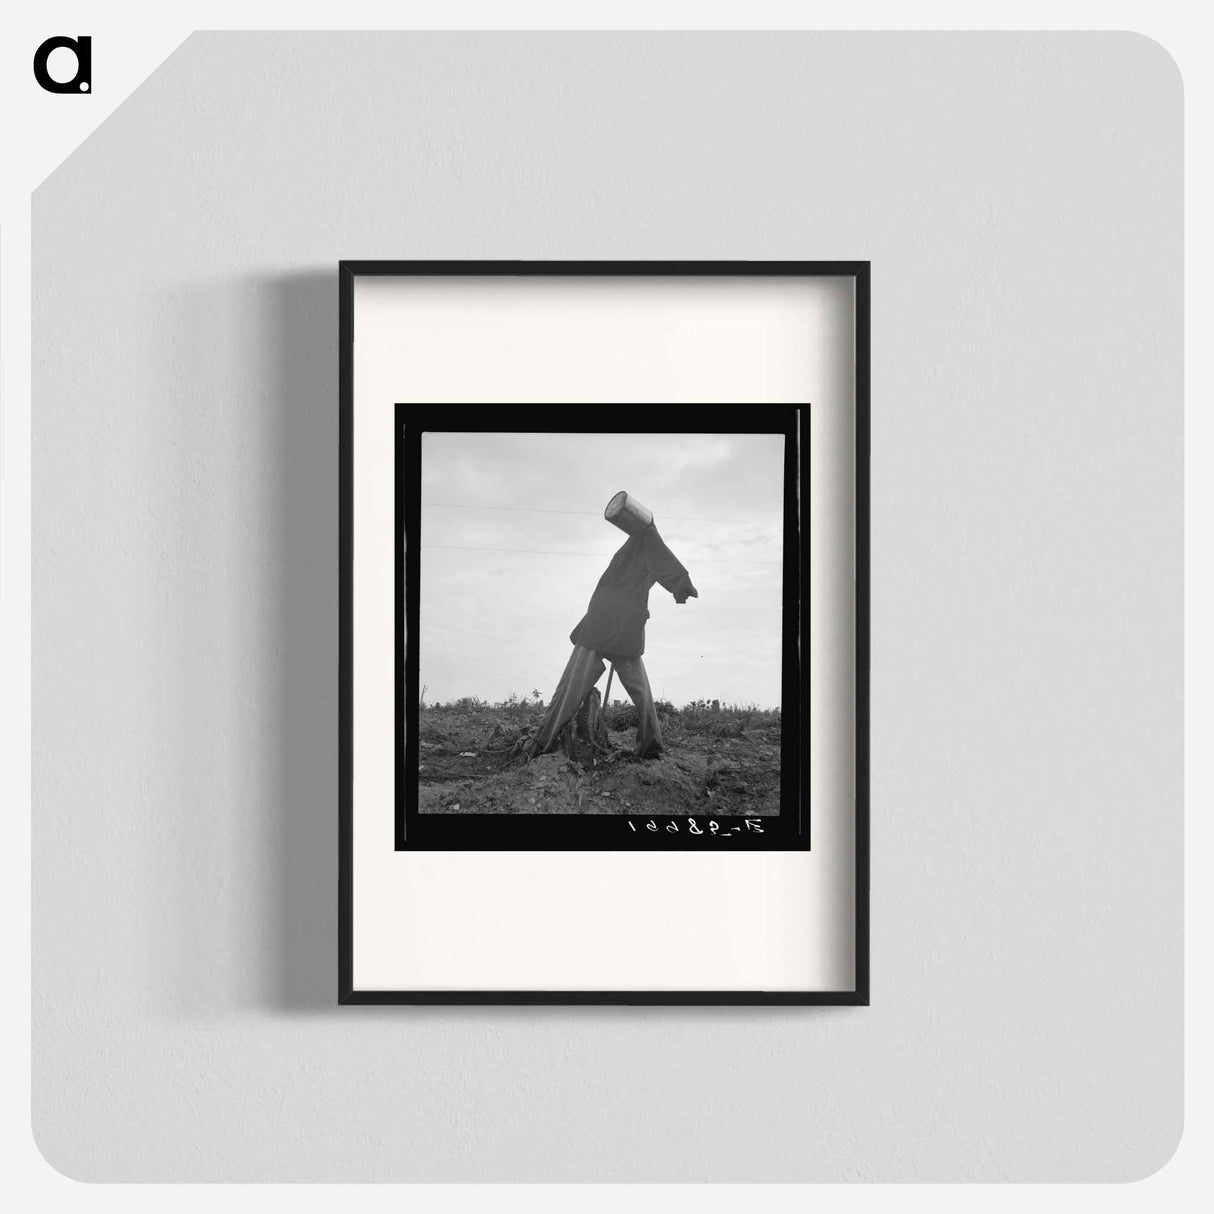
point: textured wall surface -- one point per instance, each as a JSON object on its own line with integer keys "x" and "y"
{"x": 1020, "y": 199}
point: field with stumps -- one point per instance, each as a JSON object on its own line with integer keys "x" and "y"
{"x": 718, "y": 760}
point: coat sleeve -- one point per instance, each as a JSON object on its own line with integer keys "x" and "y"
{"x": 667, "y": 570}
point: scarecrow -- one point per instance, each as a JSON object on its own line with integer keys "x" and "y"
{"x": 613, "y": 628}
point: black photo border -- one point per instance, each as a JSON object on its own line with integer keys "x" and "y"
{"x": 348, "y": 271}
{"x": 699, "y": 831}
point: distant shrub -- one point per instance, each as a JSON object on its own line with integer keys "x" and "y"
{"x": 517, "y": 706}
{"x": 701, "y": 715}
{"x": 463, "y": 704}
{"x": 624, "y": 717}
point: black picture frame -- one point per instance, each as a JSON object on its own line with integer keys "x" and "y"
{"x": 348, "y": 272}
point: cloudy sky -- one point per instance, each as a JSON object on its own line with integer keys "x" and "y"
{"x": 513, "y": 542}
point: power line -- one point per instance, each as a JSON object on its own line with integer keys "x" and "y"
{"x": 522, "y": 509}
{"x": 600, "y": 555}
{"x": 674, "y": 518}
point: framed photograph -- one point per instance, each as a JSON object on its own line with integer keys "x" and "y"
{"x": 604, "y": 632}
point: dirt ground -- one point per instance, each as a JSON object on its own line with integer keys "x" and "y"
{"x": 724, "y": 762}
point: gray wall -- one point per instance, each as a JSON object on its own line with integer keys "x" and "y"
{"x": 1020, "y": 199}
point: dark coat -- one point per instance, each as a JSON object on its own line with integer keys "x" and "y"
{"x": 614, "y": 623}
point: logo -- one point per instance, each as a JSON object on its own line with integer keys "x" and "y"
{"x": 82, "y": 81}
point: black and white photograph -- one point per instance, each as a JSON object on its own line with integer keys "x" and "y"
{"x": 601, "y": 632}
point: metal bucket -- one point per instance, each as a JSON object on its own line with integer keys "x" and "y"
{"x": 628, "y": 514}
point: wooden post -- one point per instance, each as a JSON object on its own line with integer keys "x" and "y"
{"x": 587, "y": 730}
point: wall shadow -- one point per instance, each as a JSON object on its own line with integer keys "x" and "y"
{"x": 302, "y": 942}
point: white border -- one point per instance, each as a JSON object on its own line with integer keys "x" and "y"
{"x": 773, "y": 921}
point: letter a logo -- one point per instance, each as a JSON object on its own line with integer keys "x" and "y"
{"x": 82, "y": 81}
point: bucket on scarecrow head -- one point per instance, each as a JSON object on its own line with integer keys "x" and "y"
{"x": 628, "y": 514}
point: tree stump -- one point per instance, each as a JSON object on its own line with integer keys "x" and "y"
{"x": 587, "y": 731}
